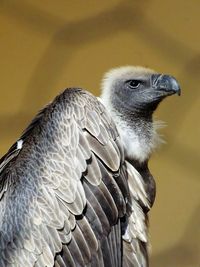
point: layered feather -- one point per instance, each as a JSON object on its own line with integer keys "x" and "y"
{"x": 65, "y": 190}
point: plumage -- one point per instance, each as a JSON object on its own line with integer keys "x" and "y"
{"x": 75, "y": 188}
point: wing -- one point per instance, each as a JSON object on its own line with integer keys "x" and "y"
{"x": 64, "y": 188}
{"x": 135, "y": 238}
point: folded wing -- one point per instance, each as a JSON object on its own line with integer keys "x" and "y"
{"x": 64, "y": 188}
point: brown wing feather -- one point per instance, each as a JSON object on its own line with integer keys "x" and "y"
{"x": 59, "y": 206}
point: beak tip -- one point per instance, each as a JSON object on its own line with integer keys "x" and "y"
{"x": 176, "y": 87}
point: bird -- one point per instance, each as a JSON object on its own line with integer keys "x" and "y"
{"x": 75, "y": 188}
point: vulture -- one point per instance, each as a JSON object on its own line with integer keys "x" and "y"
{"x": 75, "y": 188}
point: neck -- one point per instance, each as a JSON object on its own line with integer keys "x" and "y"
{"x": 138, "y": 134}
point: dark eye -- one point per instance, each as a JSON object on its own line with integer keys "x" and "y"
{"x": 134, "y": 84}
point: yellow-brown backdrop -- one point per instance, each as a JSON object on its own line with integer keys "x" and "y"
{"x": 48, "y": 45}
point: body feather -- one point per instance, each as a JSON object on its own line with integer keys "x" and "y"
{"x": 64, "y": 188}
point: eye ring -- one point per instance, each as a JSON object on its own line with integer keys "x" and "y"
{"x": 133, "y": 84}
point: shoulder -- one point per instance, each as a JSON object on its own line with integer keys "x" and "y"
{"x": 70, "y": 103}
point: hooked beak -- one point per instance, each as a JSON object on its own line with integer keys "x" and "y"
{"x": 165, "y": 83}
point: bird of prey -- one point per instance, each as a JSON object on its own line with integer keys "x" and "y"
{"x": 75, "y": 188}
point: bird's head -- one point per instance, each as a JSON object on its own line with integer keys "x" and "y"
{"x": 136, "y": 90}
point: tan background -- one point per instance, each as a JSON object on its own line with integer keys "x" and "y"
{"x": 46, "y": 46}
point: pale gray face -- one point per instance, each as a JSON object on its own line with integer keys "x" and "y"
{"x": 142, "y": 93}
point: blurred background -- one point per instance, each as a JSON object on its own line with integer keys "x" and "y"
{"x": 47, "y": 46}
